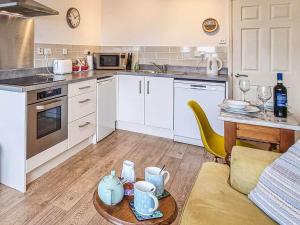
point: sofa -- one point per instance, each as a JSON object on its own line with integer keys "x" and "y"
{"x": 219, "y": 195}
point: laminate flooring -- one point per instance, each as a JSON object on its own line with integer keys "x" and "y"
{"x": 64, "y": 195}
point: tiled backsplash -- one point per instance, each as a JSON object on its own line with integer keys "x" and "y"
{"x": 177, "y": 56}
{"x": 74, "y": 51}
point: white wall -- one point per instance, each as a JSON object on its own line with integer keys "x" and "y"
{"x": 55, "y": 30}
{"x": 162, "y": 22}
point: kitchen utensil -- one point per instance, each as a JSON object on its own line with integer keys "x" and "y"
{"x": 110, "y": 189}
{"x": 244, "y": 87}
{"x": 158, "y": 178}
{"x": 214, "y": 65}
{"x": 236, "y": 104}
{"x": 145, "y": 202}
{"x": 128, "y": 171}
{"x": 264, "y": 94}
{"x": 62, "y": 66}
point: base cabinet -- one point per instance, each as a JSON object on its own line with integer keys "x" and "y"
{"x": 159, "y": 102}
{"x": 145, "y": 101}
{"x": 131, "y": 99}
{"x": 82, "y": 111}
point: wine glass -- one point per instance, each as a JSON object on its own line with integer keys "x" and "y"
{"x": 264, "y": 93}
{"x": 244, "y": 87}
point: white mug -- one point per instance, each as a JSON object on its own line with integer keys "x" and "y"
{"x": 128, "y": 173}
{"x": 158, "y": 178}
{"x": 145, "y": 202}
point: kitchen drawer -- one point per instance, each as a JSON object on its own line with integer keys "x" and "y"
{"x": 82, "y": 105}
{"x": 81, "y": 129}
{"x": 82, "y": 87}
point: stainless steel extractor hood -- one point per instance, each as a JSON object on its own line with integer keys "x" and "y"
{"x": 26, "y": 8}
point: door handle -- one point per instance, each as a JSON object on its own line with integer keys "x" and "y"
{"x": 86, "y": 87}
{"x": 49, "y": 105}
{"x": 240, "y": 75}
{"x": 140, "y": 87}
{"x": 84, "y": 125}
{"x": 148, "y": 87}
{"x": 84, "y": 101}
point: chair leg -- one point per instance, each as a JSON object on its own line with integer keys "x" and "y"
{"x": 216, "y": 159}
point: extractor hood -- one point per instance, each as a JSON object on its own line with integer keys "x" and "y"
{"x": 26, "y": 8}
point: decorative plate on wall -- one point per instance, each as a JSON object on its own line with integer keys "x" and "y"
{"x": 73, "y": 18}
{"x": 210, "y": 25}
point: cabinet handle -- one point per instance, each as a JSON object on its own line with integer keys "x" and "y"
{"x": 86, "y": 87}
{"x": 84, "y": 125}
{"x": 140, "y": 87}
{"x": 84, "y": 101}
{"x": 148, "y": 87}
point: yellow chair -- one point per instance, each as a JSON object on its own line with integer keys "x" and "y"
{"x": 213, "y": 142}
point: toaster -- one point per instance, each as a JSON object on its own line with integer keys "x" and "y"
{"x": 62, "y": 66}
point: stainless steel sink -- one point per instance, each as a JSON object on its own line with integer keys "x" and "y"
{"x": 165, "y": 73}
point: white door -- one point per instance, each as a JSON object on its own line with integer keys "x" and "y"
{"x": 159, "y": 102}
{"x": 266, "y": 41}
{"x": 131, "y": 99}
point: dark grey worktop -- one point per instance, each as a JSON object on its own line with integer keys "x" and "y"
{"x": 99, "y": 74}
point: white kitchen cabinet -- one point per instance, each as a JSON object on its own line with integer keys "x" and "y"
{"x": 131, "y": 99}
{"x": 159, "y": 102}
{"x": 82, "y": 111}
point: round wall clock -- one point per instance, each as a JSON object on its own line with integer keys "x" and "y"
{"x": 210, "y": 25}
{"x": 73, "y": 18}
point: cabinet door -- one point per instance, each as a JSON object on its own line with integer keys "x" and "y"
{"x": 131, "y": 99}
{"x": 159, "y": 102}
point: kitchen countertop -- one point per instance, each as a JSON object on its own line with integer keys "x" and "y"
{"x": 101, "y": 74}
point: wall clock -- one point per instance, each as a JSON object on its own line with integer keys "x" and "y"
{"x": 210, "y": 25}
{"x": 73, "y": 18}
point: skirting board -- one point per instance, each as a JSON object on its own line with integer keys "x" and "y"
{"x": 46, "y": 167}
{"x": 143, "y": 129}
{"x": 190, "y": 141}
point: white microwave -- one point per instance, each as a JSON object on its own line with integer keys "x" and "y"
{"x": 110, "y": 61}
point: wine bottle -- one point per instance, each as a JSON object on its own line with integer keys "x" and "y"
{"x": 280, "y": 98}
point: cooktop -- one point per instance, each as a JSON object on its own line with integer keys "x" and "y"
{"x": 32, "y": 80}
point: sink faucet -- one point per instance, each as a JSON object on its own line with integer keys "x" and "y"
{"x": 162, "y": 68}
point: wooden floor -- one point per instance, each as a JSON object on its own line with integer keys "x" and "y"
{"x": 64, "y": 195}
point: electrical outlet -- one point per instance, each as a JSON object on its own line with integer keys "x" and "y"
{"x": 47, "y": 51}
{"x": 65, "y": 51}
{"x": 223, "y": 42}
{"x": 40, "y": 51}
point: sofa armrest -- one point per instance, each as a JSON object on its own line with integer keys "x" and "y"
{"x": 247, "y": 164}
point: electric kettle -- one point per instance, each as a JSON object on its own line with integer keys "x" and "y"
{"x": 214, "y": 65}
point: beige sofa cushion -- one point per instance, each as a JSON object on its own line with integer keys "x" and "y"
{"x": 212, "y": 201}
{"x": 247, "y": 164}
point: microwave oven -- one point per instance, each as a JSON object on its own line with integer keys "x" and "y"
{"x": 110, "y": 61}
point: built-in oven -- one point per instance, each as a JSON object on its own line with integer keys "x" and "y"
{"x": 47, "y": 118}
{"x": 110, "y": 61}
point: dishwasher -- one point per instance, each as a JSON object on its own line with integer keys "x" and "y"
{"x": 208, "y": 95}
{"x": 106, "y": 107}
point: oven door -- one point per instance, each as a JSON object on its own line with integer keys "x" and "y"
{"x": 47, "y": 125}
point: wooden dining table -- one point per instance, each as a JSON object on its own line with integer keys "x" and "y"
{"x": 267, "y": 128}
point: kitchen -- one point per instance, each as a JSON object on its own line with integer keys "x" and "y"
{"x": 139, "y": 70}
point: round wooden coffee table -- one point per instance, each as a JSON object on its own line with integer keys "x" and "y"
{"x": 122, "y": 214}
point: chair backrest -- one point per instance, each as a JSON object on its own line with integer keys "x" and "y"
{"x": 212, "y": 142}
